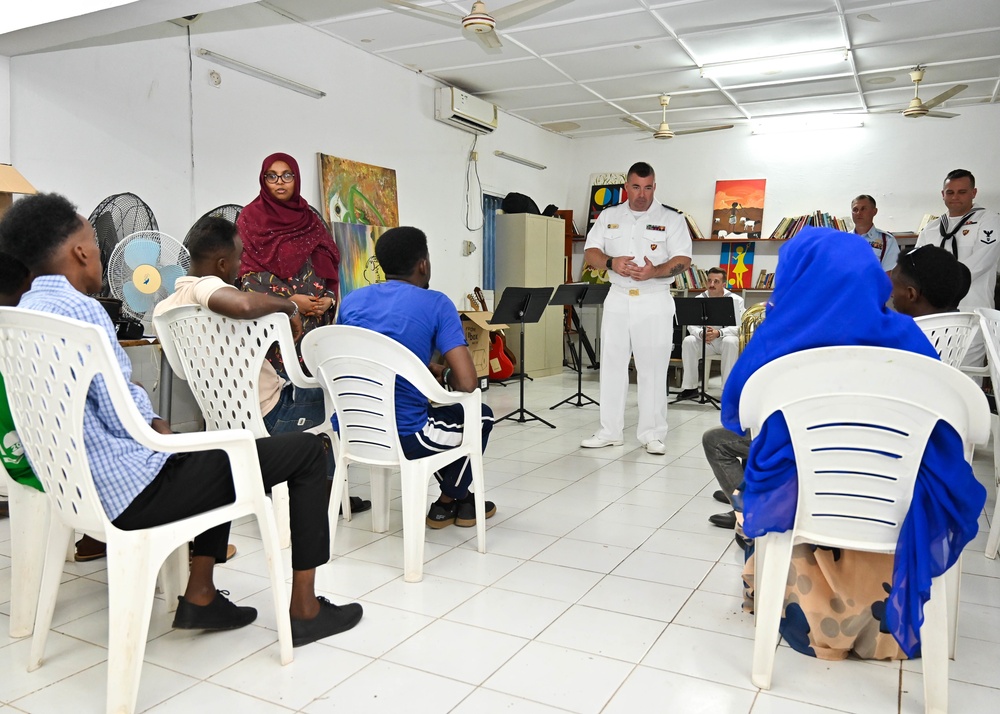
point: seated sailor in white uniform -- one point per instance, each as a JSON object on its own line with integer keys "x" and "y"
{"x": 720, "y": 340}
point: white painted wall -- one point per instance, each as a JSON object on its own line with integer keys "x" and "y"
{"x": 95, "y": 121}
{"x": 901, "y": 162}
{"x": 4, "y": 109}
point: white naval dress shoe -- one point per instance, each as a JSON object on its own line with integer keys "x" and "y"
{"x": 655, "y": 447}
{"x": 596, "y": 442}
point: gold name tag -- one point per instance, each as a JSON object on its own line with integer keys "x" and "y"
{"x": 612, "y": 226}
{"x": 633, "y": 292}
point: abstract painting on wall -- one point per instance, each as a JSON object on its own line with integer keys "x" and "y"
{"x": 606, "y": 190}
{"x": 359, "y": 203}
{"x": 738, "y": 209}
{"x": 737, "y": 260}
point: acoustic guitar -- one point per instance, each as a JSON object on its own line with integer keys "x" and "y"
{"x": 501, "y": 359}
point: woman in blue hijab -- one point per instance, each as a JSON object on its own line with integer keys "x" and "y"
{"x": 830, "y": 290}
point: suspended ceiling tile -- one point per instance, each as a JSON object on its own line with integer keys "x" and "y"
{"x": 387, "y": 31}
{"x": 767, "y": 40}
{"x": 958, "y": 72}
{"x": 970, "y": 46}
{"x": 591, "y": 34}
{"x": 655, "y": 83}
{"x": 796, "y": 90}
{"x": 921, "y": 19}
{"x": 455, "y": 53}
{"x": 804, "y": 106}
{"x": 901, "y": 96}
{"x": 572, "y": 112}
{"x": 685, "y": 17}
{"x": 491, "y": 77}
{"x": 625, "y": 59}
{"x": 677, "y": 102}
{"x": 714, "y": 114}
{"x": 317, "y": 11}
{"x": 539, "y": 96}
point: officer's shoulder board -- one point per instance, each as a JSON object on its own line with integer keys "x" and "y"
{"x": 671, "y": 208}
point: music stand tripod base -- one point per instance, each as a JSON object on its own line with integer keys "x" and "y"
{"x": 578, "y": 295}
{"x": 524, "y": 306}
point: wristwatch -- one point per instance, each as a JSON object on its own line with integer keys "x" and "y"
{"x": 609, "y": 263}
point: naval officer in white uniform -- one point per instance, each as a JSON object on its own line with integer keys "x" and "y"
{"x": 643, "y": 245}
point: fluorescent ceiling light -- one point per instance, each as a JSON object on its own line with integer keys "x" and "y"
{"x": 806, "y": 122}
{"x": 259, "y": 73}
{"x": 519, "y": 160}
{"x": 774, "y": 65}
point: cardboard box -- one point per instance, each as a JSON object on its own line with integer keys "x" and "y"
{"x": 477, "y": 334}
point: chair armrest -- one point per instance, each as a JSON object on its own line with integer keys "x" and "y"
{"x": 287, "y": 346}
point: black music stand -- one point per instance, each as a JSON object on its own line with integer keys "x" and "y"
{"x": 524, "y": 306}
{"x": 715, "y": 312}
{"x": 578, "y": 295}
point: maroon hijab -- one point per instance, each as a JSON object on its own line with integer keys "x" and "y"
{"x": 279, "y": 236}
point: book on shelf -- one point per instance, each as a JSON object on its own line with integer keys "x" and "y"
{"x": 693, "y": 228}
{"x": 761, "y": 279}
{"x": 769, "y": 283}
{"x": 790, "y": 225}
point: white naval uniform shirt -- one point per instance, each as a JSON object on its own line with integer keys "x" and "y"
{"x": 885, "y": 246}
{"x": 658, "y": 234}
{"x": 728, "y": 331}
{"x": 978, "y": 243}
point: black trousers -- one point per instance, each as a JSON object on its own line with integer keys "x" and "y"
{"x": 193, "y": 483}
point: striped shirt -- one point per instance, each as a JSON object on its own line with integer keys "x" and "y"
{"x": 121, "y": 466}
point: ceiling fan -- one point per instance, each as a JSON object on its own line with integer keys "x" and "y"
{"x": 480, "y": 25}
{"x": 664, "y": 131}
{"x": 918, "y": 108}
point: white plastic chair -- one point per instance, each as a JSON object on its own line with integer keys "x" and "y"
{"x": 989, "y": 321}
{"x": 358, "y": 369}
{"x": 29, "y": 522}
{"x": 951, "y": 333}
{"x": 48, "y": 363}
{"x": 220, "y": 359}
{"x": 851, "y": 412}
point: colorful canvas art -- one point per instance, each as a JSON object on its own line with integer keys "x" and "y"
{"x": 606, "y": 190}
{"x": 359, "y": 203}
{"x": 737, "y": 260}
{"x": 738, "y": 211}
{"x": 358, "y": 266}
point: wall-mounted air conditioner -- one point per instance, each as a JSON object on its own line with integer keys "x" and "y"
{"x": 455, "y": 107}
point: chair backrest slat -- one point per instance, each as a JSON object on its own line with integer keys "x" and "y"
{"x": 951, "y": 333}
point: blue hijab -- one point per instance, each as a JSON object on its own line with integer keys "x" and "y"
{"x": 831, "y": 290}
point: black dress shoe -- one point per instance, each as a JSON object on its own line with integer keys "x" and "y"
{"x": 721, "y": 497}
{"x": 220, "y": 614}
{"x": 688, "y": 394}
{"x": 358, "y": 505}
{"x": 331, "y": 620}
{"x": 723, "y": 520}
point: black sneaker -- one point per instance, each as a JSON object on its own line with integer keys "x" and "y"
{"x": 220, "y": 614}
{"x": 466, "y": 516}
{"x": 331, "y": 620}
{"x": 442, "y": 515}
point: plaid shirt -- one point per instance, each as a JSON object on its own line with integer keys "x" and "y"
{"x": 120, "y": 465}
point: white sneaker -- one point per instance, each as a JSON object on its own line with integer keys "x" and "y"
{"x": 596, "y": 442}
{"x": 655, "y": 447}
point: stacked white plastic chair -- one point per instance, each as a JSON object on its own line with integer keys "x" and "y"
{"x": 48, "y": 363}
{"x": 220, "y": 359}
{"x": 29, "y": 521}
{"x": 358, "y": 369}
{"x": 853, "y": 414}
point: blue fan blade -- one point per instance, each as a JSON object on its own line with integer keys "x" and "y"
{"x": 139, "y": 302}
{"x": 141, "y": 252}
{"x": 169, "y": 275}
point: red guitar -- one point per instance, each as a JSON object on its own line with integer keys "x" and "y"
{"x": 501, "y": 359}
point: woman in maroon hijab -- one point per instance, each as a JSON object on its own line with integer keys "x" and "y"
{"x": 287, "y": 249}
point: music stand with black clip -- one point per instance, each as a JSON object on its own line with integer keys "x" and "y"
{"x": 524, "y": 306}
{"x": 578, "y": 295}
{"x": 706, "y": 312}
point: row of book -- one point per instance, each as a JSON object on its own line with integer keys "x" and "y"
{"x": 765, "y": 280}
{"x": 790, "y": 225}
{"x": 694, "y": 278}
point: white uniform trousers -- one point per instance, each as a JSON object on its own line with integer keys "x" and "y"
{"x": 728, "y": 347}
{"x": 639, "y": 326}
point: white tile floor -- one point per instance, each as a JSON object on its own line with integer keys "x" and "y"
{"x": 604, "y": 589}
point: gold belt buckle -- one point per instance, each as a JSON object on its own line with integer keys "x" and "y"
{"x": 634, "y": 292}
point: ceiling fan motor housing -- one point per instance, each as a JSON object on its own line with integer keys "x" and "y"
{"x": 479, "y": 20}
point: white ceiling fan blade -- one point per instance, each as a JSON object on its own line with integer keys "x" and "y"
{"x": 942, "y": 115}
{"x": 489, "y": 40}
{"x": 681, "y": 132}
{"x": 885, "y": 110}
{"x": 638, "y": 124}
{"x": 945, "y": 96}
{"x": 427, "y": 13}
{"x": 524, "y": 10}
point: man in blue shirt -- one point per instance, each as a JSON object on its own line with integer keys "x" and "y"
{"x": 140, "y": 488}
{"x": 425, "y": 321}
{"x": 863, "y": 211}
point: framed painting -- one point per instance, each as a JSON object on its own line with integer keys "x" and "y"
{"x": 737, "y": 260}
{"x": 738, "y": 210}
{"x": 358, "y": 265}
